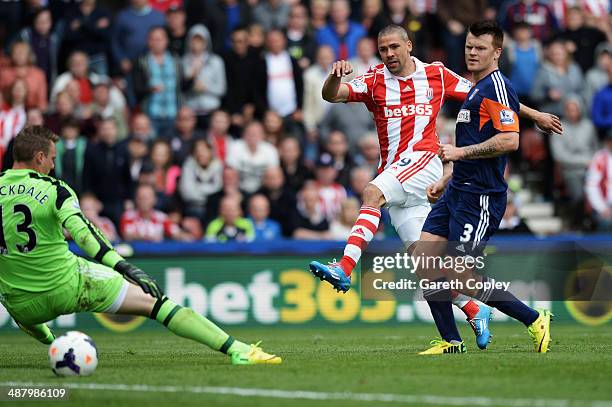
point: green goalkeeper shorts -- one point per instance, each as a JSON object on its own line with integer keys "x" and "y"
{"x": 93, "y": 288}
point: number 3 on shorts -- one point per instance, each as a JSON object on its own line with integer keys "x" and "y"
{"x": 467, "y": 233}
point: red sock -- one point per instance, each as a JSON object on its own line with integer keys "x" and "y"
{"x": 470, "y": 309}
{"x": 363, "y": 231}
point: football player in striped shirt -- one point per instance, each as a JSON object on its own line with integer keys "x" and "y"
{"x": 405, "y": 96}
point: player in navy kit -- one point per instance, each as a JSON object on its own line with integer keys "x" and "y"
{"x": 473, "y": 204}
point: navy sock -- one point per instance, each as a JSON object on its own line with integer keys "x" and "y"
{"x": 507, "y": 303}
{"x": 439, "y": 301}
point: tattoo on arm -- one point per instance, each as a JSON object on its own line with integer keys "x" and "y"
{"x": 490, "y": 148}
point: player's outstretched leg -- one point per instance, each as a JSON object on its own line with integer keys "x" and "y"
{"x": 41, "y": 332}
{"x": 440, "y": 305}
{"x": 408, "y": 222}
{"x": 477, "y": 315}
{"x": 366, "y": 225}
{"x": 536, "y": 321}
{"x": 187, "y": 323}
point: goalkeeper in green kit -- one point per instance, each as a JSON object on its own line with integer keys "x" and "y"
{"x": 41, "y": 279}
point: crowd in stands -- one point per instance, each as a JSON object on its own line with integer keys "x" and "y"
{"x": 203, "y": 119}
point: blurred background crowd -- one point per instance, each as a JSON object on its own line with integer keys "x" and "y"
{"x": 203, "y": 119}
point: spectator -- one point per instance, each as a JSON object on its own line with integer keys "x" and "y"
{"x": 340, "y": 228}
{"x": 22, "y": 67}
{"x": 373, "y": 18}
{"x": 301, "y": 42}
{"x": 141, "y": 128}
{"x": 106, "y": 170}
{"x": 218, "y": 135}
{"x": 308, "y": 221}
{"x": 597, "y": 77}
{"x": 201, "y": 178}
{"x": 259, "y": 212}
{"x": 136, "y": 153}
{"x": 331, "y": 193}
{"x": 101, "y": 107}
{"x": 64, "y": 107}
{"x": 166, "y": 6}
{"x": 145, "y": 223}
{"x": 285, "y": 85}
{"x": 557, "y": 77}
{"x": 274, "y": 127}
{"x": 365, "y": 59}
{"x": 245, "y": 71}
{"x": 166, "y": 173}
{"x": 523, "y": 55}
{"x": 130, "y": 32}
{"x": 599, "y": 186}
{"x": 280, "y": 198}
{"x": 10, "y": 15}
{"x": 87, "y": 27}
{"x": 292, "y": 163}
{"x": 251, "y": 156}
{"x": 580, "y": 40}
{"x": 337, "y": 146}
{"x": 78, "y": 70}
{"x": 158, "y": 81}
{"x": 257, "y": 38}
{"x": 230, "y": 186}
{"x": 13, "y": 116}
{"x": 353, "y": 119}
{"x": 319, "y": 11}
{"x": 360, "y": 178}
{"x": 341, "y": 34}
{"x": 221, "y": 17}
{"x": 91, "y": 207}
{"x": 44, "y": 43}
{"x": 271, "y": 14}
{"x": 512, "y": 223}
{"x": 533, "y": 12}
{"x": 70, "y": 158}
{"x": 177, "y": 29}
{"x": 369, "y": 153}
{"x": 183, "y": 134}
{"x": 602, "y": 106}
{"x": 230, "y": 226}
{"x": 457, "y": 16}
{"x": 314, "y": 78}
{"x": 34, "y": 117}
{"x": 415, "y": 22}
{"x": 208, "y": 73}
{"x": 573, "y": 154}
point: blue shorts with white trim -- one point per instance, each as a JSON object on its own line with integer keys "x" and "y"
{"x": 462, "y": 216}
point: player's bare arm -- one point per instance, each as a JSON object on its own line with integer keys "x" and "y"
{"x": 547, "y": 122}
{"x": 501, "y": 143}
{"x": 334, "y": 90}
{"x": 435, "y": 190}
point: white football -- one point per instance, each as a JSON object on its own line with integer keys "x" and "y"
{"x": 73, "y": 354}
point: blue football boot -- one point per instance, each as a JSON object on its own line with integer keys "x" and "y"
{"x": 333, "y": 274}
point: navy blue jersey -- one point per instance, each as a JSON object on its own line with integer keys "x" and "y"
{"x": 491, "y": 107}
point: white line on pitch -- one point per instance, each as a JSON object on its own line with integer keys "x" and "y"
{"x": 316, "y": 395}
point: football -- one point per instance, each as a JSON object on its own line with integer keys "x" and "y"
{"x": 73, "y": 354}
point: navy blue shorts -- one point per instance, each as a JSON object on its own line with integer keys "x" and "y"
{"x": 462, "y": 216}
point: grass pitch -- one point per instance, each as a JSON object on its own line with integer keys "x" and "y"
{"x": 330, "y": 366}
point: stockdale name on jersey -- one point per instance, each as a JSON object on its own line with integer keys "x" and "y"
{"x": 418, "y": 109}
{"x": 20, "y": 189}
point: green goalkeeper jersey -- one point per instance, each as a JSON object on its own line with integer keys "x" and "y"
{"x": 34, "y": 255}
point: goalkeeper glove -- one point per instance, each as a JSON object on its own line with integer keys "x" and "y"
{"x": 137, "y": 276}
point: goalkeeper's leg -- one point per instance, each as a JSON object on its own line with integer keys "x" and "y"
{"x": 187, "y": 323}
{"x": 40, "y": 332}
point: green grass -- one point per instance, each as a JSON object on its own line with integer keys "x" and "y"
{"x": 354, "y": 360}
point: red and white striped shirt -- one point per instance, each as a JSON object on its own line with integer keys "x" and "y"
{"x": 405, "y": 109}
{"x": 153, "y": 228}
